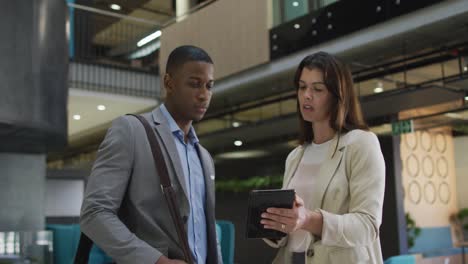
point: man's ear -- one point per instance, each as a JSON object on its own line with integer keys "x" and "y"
{"x": 168, "y": 83}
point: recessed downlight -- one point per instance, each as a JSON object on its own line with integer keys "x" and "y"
{"x": 115, "y": 7}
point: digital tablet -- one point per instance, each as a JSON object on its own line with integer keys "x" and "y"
{"x": 259, "y": 201}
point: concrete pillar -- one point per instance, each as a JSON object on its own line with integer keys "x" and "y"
{"x": 393, "y": 236}
{"x": 22, "y": 192}
{"x": 33, "y": 100}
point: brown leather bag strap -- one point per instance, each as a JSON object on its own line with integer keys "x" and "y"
{"x": 166, "y": 187}
{"x": 84, "y": 248}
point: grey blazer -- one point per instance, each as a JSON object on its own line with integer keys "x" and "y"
{"x": 124, "y": 210}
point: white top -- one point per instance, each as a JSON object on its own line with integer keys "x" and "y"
{"x": 303, "y": 182}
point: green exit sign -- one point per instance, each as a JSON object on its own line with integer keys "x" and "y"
{"x": 402, "y": 127}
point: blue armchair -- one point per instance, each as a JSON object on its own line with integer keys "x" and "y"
{"x": 402, "y": 259}
{"x": 66, "y": 238}
{"x": 227, "y": 238}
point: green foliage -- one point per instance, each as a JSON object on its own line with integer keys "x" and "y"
{"x": 462, "y": 213}
{"x": 245, "y": 185}
{"x": 412, "y": 230}
{"x": 461, "y": 128}
{"x": 463, "y": 217}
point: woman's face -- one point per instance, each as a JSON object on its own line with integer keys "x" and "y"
{"x": 314, "y": 98}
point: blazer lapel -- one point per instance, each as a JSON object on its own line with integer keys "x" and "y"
{"x": 326, "y": 173}
{"x": 168, "y": 144}
{"x": 208, "y": 173}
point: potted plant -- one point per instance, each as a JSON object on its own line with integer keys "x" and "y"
{"x": 412, "y": 230}
{"x": 460, "y": 220}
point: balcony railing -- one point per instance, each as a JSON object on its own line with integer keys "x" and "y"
{"x": 287, "y": 10}
{"x": 104, "y": 55}
{"x": 103, "y": 37}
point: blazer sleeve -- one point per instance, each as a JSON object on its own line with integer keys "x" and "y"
{"x": 103, "y": 196}
{"x": 360, "y": 226}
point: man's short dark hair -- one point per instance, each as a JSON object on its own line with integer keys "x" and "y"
{"x": 186, "y": 53}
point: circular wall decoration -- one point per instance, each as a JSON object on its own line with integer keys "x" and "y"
{"x": 414, "y": 192}
{"x": 411, "y": 141}
{"x": 430, "y": 193}
{"x": 412, "y": 165}
{"x": 440, "y": 142}
{"x": 442, "y": 167}
{"x": 426, "y": 141}
{"x": 428, "y": 166}
{"x": 444, "y": 193}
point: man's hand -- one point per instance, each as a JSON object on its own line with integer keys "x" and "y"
{"x": 164, "y": 260}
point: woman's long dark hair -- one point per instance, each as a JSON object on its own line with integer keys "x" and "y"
{"x": 345, "y": 111}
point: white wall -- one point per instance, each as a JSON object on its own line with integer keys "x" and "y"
{"x": 64, "y": 197}
{"x": 461, "y": 169}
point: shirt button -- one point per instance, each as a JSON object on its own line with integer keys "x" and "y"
{"x": 310, "y": 253}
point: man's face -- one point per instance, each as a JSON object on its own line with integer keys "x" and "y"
{"x": 189, "y": 90}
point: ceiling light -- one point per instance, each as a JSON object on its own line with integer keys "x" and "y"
{"x": 465, "y": 68}
{"x": 101, "y": 107}
{"x": 383, "y": 129}
{"x": 453, "y": 115}
{"x": 237, "y": 143}
{"x": 76, "y": 117}
{"x": 149, "y": 38}
{"x": 466, "y": 98}
{"x": 378, "y": 88}
{"x": 235, "y": 124}
{"x": 297, "y": 26}
{"x": 292, "y": 143}
{"x": 242, "y": 154}
{"x": 295, "y": 3}
{"x": 145, "y": 51}
{"x": 115, "y": 7}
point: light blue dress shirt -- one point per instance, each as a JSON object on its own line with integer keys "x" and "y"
{"x": 193, "y": 173}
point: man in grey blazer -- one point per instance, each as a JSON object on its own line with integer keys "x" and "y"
{"x": 124, "y": 210}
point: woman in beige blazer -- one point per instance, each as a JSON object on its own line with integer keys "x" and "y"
{"x": 338, "y": 172}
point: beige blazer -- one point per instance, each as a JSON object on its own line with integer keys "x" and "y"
{"x": 349, "y": 193}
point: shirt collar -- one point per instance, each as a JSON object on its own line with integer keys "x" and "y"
{"x": 175, "y": 129}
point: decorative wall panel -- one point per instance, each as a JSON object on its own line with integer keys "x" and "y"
{"x": 429, "y": 176}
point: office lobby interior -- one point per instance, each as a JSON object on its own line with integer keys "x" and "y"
{"x": 71, "y": 67}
